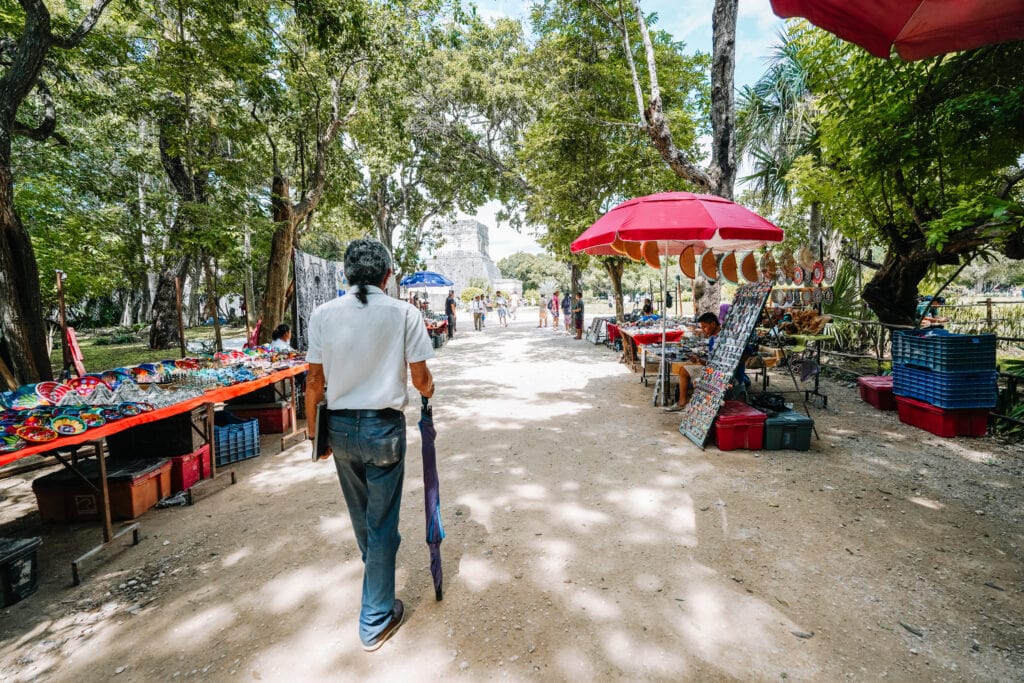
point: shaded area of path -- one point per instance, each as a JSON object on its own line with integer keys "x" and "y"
{"x": 587, "y": 540}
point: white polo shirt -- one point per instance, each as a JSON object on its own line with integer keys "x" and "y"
{"x": 366, "y": 350}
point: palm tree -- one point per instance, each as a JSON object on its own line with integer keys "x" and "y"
{"x": 775, "y": 126}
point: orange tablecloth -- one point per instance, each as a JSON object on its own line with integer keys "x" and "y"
{"x": 214, "y": 395}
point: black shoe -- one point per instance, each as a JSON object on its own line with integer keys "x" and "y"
{"x": 397, "y": 615}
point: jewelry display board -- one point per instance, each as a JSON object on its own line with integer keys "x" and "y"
{"x": 709, "y": 390}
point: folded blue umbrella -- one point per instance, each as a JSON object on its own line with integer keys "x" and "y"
{"x": 426, "y": 278}
{"x": 432, "y": 497}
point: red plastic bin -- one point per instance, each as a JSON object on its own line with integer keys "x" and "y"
{"x": 187, "y": 469}
{"x": 274, "y": 418}
{"x": 877, "y": 390}
{"x": 739, "y": 426}
{"x": 946, "y": 422}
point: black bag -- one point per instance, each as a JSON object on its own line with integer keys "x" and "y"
{"x": 768, "y": 402}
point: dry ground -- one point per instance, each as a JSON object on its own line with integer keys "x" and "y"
{"x": 587, "y": 540}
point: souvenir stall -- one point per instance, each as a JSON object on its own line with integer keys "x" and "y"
{"x": 157, "y": 422}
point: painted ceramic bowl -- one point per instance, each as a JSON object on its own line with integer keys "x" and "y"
{"x": 66, "y": 425}
{"x": 111, "y": 414}
{"x": 114, "y": 378}
{"x": 37, "y": 434}
{"x": 133, "y": 408}
{"x": 44, "y": 390}
{"x": 92, "y": 418}
{"x": 11, "y": 442}
{"x": 26, "y": 399}
{"x": 58, "y": 392}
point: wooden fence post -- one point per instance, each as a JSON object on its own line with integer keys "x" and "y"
{"x": 988, "y": 313}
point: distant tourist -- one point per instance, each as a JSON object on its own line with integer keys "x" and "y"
{"x": 567, "y": 311}
{"x": 450, "y": 308}
{"x": 502, "y": 305}
{"x": 577, "y": 315}
{"x": 543, "y": 312}
{"x": 477, "y": 308}
{"x": 555, "y": 308}
{"x": 513, "y": 302}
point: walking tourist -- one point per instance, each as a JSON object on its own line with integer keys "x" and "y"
{"x": 542, "y": 309}
{"x": 513, "y": 301}
{"x": 362, "y": 349}
{"x": 502, "y": 305}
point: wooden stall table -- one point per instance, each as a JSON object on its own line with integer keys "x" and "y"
{"x": 97, "y": 438}
{"x": 637, "y": 342}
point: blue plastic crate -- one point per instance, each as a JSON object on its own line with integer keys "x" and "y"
{"x": 235, "y": 439}
{"x": 943, "y": 351}
{"x": 975, "y": 389}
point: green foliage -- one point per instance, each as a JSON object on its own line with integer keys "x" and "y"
{"x": 470, "y": 293}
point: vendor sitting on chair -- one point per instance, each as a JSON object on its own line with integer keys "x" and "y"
{"x": 689, "y": 372}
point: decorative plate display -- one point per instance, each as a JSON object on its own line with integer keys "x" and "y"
{"x": 143, "y": 375}
{"x": 827, "y": 296}
{"x": 114, "y": 378}
{"x": 111, "y": 414}
{"x": 66, "y": 425}
{"x": 86, "y": 384}
{"x": 69, "y": 410}
{"x": 798, "y": 275}
{"x": 35, "y": 420}
{"x": 24, "y": 400}
{"x": 37, "y": 434}
{"x": 92, "y": 419}
{"x": 187, "y": 364}
{"x": 44, "y": 390}
{"x": 11, "y": 442}
{"x": 817, "y": 272}
{"x": 830, "y": 269}
{"x": 816, "y": 296}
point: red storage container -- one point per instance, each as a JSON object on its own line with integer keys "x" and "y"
{"x": 877, "y": 390}
{"x": 274, "y": 418}
{"x": 187, "y": 469}
{"x": 945, "y": 422}
{"x": 134, "y": 487}
{"x": 739, "y": 426}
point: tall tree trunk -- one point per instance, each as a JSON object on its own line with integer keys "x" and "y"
{"x": 163, "y": 334}
{"x": 615, "y": 266}
{"x": 275, "y": 292}
{"x": 575, "y": 279}
{"x": 213, "y": 299}
{"x": 892, "y": 292}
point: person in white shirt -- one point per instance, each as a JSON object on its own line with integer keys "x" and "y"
{"x": 281, "y": 338}
{"x": 366, "y": 345}
{"x": 543, "y": 312}
{"x": 478, "y": 309}
{"x": 502, "y": 305}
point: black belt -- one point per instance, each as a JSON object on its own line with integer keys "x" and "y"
{"x": 383, "y": 412}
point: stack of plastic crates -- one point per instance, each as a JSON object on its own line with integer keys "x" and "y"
{"x": 945, "y": 383}
{"x": 235, "y": 439}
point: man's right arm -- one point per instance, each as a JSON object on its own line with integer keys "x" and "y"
{"x": 422, "y": 379}
{"x": 314, "y": 394}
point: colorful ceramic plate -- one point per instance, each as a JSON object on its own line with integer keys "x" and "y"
{"x": 114, "y": 378}
{"x": 25, "y": 400}
{"x": 111, "y": 414}
{"x": 817, "y": 272}
{"x": 92, "y": 419}
{"x": 142, "y": 375}
{"x": 11, "y": 443}
{"x": 66, "y": 425}
{"x": 132, "y": 408}
{"x": 86, "y": 384}
{"x": 186, "y": 364}
{"x": 827, "y": 296}
{"x": 798, "y": 275}
{"x": 44, "y": 390}
{"x": 830, "y": 269}
{"x": 37, "y": 434}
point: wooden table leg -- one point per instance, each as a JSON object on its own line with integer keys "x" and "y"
{"x": 296, "y": 432}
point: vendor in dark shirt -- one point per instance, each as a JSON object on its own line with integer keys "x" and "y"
{"x": 450, "y": 306}
{"x": 648, "y": 308}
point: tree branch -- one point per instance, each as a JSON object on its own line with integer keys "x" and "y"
{"x": 1010, "y": 182}
{"x": 47, "y": 128}
{"x": 84, "y": 27}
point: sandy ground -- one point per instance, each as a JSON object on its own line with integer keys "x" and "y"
{"x": 587, "y": 540}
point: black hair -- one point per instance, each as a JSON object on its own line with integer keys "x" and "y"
{"x": 367, "y": 261}
{"x": 708, "y": 317}
{"x": 280, "y": 331}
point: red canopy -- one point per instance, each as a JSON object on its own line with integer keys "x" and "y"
{"x": 916, "y": 28}
{"x": 678, "y": 219}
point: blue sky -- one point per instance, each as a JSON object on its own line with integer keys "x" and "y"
{"x": 686, "y": 20}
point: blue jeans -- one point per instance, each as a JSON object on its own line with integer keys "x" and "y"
{"x": 369, "y": 453}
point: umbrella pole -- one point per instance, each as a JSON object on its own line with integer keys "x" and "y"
{"x": 662, "y": 379}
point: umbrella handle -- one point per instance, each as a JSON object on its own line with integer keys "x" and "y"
{"x": 425, "y": 400}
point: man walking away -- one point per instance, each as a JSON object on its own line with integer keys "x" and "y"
{"x": 543, "y": 312}
{"x": 450, "y": 308}
{"x": 364, "y": 346}
{"x": 502, "y": 306}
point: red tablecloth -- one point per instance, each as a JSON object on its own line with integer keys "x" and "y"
{"x": 613, "y": 332}
{"x": 214, "y": 395}
{"x": 653, "y": 337}
{"x": 434, "y": 328}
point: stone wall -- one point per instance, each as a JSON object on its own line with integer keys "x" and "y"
{"x": 464, "y": 255}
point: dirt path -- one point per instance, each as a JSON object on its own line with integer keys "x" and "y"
{"x": 587, "y": 540}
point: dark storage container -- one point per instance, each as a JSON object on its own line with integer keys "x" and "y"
{"x": 161, "y": 439}
{"x": 235, "y": 439}
{"x": 19, "y": 568}
{"x": 788, "y": 430}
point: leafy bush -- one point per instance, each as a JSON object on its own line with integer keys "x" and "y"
{"x": 470, "y": 293}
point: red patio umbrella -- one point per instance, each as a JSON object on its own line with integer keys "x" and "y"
{"x": 916, "y": 28}
{"x": 676, "y": 220}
